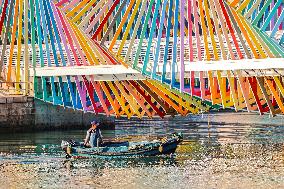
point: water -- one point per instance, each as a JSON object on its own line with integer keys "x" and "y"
{"x": 214, "y": 156}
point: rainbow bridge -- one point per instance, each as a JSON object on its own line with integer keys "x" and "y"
{"x": 145, "y": 57}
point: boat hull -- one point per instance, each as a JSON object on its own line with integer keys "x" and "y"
{"x": 122, "y": 150}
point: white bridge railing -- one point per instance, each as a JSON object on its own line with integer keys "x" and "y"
{"x": 247, "y": 67}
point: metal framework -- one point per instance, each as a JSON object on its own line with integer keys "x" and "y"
{"x": 146, "y": 57}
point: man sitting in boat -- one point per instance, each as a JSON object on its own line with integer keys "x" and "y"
{"x": 94, "y": 136}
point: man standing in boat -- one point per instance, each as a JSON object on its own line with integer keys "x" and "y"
{"x": 94, "y": 136}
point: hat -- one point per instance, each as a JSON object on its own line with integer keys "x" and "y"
{"x": 95, "y": 123}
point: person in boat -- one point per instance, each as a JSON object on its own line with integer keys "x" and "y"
{"x": 94, "y": 136}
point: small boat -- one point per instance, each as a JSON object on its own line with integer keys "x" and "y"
{"x": 125, "y": 149}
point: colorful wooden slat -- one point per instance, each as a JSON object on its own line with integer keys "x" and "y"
{"x": 159, "y": 38}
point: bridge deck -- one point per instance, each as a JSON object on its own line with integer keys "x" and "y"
{"x": 99, "y": 72}
{"x": 248, "y": 67}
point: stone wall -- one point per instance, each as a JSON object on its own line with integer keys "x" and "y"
{"x": 16, "y": 113}
{"x": 25, "y": 114}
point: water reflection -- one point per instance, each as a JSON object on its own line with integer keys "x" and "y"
{"x": 211, "y": 156}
